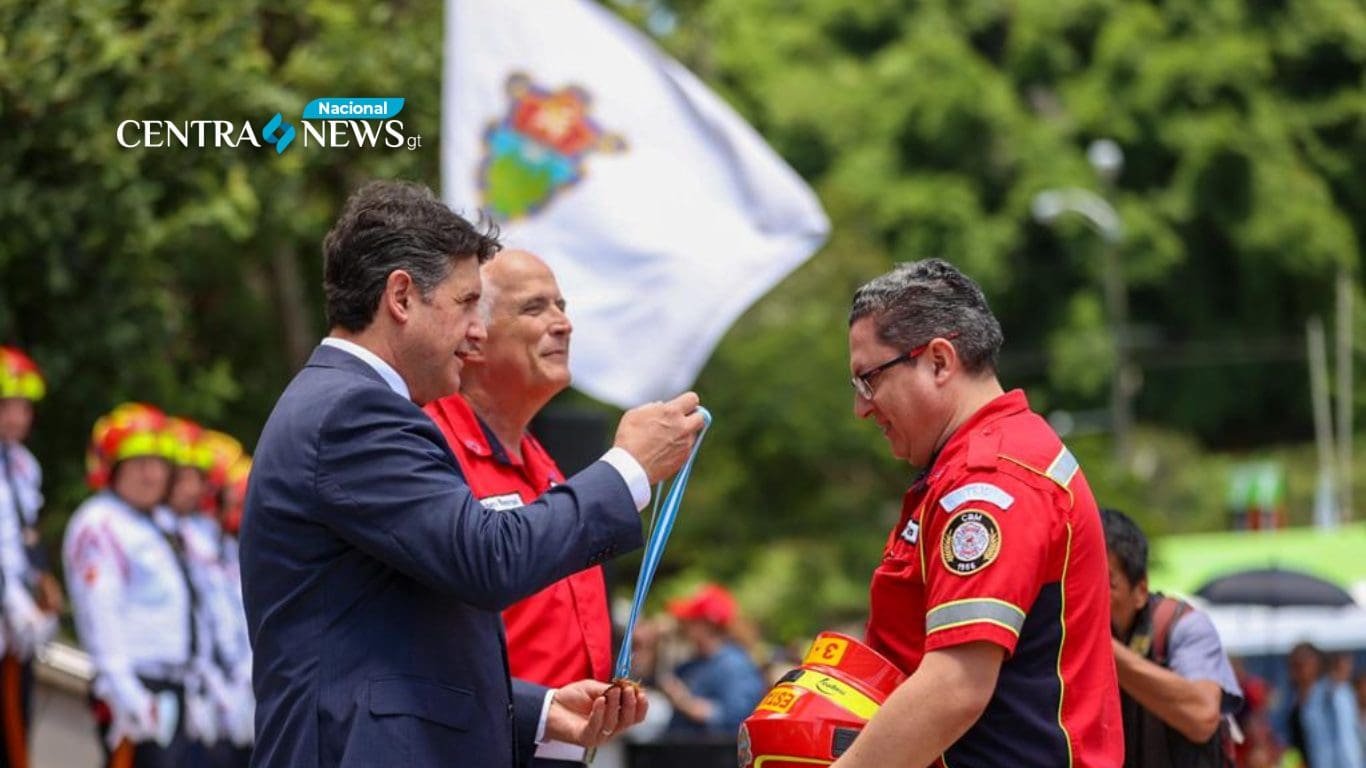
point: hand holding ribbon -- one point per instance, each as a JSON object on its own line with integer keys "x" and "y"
{"x": 662, "y": 523}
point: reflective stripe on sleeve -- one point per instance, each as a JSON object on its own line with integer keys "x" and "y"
{"x": 960, "y": 612}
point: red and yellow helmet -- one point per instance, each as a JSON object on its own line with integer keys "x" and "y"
{"x": 814, "y": 712}
{"x": 235, "y": 493}
{"x": 19, "y": 376}
{"x": 187, "y": 441}
{"x": 128, "y": 431}
{"x": 223, "y": 451}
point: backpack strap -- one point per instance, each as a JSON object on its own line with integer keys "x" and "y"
{"x": 1166, "y": 611}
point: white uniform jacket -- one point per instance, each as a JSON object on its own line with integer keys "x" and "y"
{"x": 130, "y": 602}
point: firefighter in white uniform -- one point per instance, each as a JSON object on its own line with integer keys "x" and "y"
{"x": 129, "y": 594}
{"x": 31, "y": 597}
{"x": 213, "y": 709}
{"x": 226, "y": 486}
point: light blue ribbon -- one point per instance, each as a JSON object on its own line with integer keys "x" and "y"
{"x": 662, "y": 525}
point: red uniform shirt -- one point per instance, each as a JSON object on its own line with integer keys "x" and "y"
{"x": 1000, "y": 540}
{"x": 562, "y": 633}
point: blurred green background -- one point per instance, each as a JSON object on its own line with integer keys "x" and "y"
{"x": 191, "y": 278}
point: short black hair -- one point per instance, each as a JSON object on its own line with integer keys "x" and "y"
{"x": 1306, "y": 648}
{"x": 921, "y": 300}
{"x": 1125, "y": 540}
{"x": 390, "y": 225}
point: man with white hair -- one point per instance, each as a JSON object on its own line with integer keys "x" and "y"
{"x": 562, "y": 633}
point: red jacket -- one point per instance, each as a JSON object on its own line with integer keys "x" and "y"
{"x": 562, "y": 633}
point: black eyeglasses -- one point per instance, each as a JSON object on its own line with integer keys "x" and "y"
{"x": 863, "y": 382}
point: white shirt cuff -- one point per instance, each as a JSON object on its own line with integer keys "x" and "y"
{"x": 561, "y": 750}
{"x": 545, "y": 715}
{"x": 551, "y": 749}
{"x": 630, "y": 470}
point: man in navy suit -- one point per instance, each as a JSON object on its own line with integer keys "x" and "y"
{"x": 372, "y": 576}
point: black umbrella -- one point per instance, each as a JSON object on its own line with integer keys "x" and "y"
{"x": 1274, "y": 587}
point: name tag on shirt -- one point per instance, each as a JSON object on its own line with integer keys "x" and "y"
{"x": 503, "y": 502}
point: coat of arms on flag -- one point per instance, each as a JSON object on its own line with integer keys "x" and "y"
{"x": 539, "y": 147}
{"x": 659, "y": 245}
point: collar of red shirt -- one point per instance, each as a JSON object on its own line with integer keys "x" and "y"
{"x": 473, "y": 433}
{"x": 1008, "y": 404}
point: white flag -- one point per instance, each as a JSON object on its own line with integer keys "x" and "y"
{"x": 663, "y": 214}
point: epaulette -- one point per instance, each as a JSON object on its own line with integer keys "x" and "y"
{"x": 983, "y": 448}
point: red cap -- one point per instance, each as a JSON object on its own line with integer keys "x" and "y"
{"x": 710, "y": 603}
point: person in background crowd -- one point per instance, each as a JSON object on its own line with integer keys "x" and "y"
{"x": 196, "y": 557}
{"x": 647, "y": 666}
{"x": 221, "y": 515}
{"x": 129, "y": 595}
{"x": 1359, "y": 688}
{"x": 1340, "y": 667}
{"x": 1260, "y": 747}
{"x": 720, "y": 685}
{"x": 1322, "y": 719}
{"x": 231, "y": 498}
{"x": 1176, "y": 682}
{"x": 193, "y": 531}
{"x": 785, "y": 658}
{"x": 30, "y": 596}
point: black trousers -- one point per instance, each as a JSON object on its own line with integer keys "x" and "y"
{"x": 225, "y": 755}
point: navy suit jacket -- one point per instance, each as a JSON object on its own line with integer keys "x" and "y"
{"x": 373, "y": 580}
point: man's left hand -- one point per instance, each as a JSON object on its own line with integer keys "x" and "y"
{"x": 590, "y": 712}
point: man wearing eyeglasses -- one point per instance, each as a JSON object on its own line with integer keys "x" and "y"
{"x": 992, "y": 593}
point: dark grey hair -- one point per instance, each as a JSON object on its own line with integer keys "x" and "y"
{"x": 921, "y": 300}
{"x": 390, "y": 225}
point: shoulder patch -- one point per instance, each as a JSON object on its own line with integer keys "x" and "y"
{"x": 987, "y": 492}
{"x": 503, "y": 502}
{"x": 971, "y": 542}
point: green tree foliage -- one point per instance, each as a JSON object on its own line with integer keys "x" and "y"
{"x": 940, "y": 121}
{"x": 187, "y": 278}
{"x": 928, "y": 128}
{"x": 191, "y": 278}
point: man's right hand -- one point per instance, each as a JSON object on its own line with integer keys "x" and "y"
{"x": 660, "y": 435}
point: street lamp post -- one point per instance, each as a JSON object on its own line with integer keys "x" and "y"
{"x": 1108, "y": 160}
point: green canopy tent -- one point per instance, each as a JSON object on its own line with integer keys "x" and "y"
{"x": 1182, "y": 564}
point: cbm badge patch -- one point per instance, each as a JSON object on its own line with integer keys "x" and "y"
{"x": 971, "y": 542}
